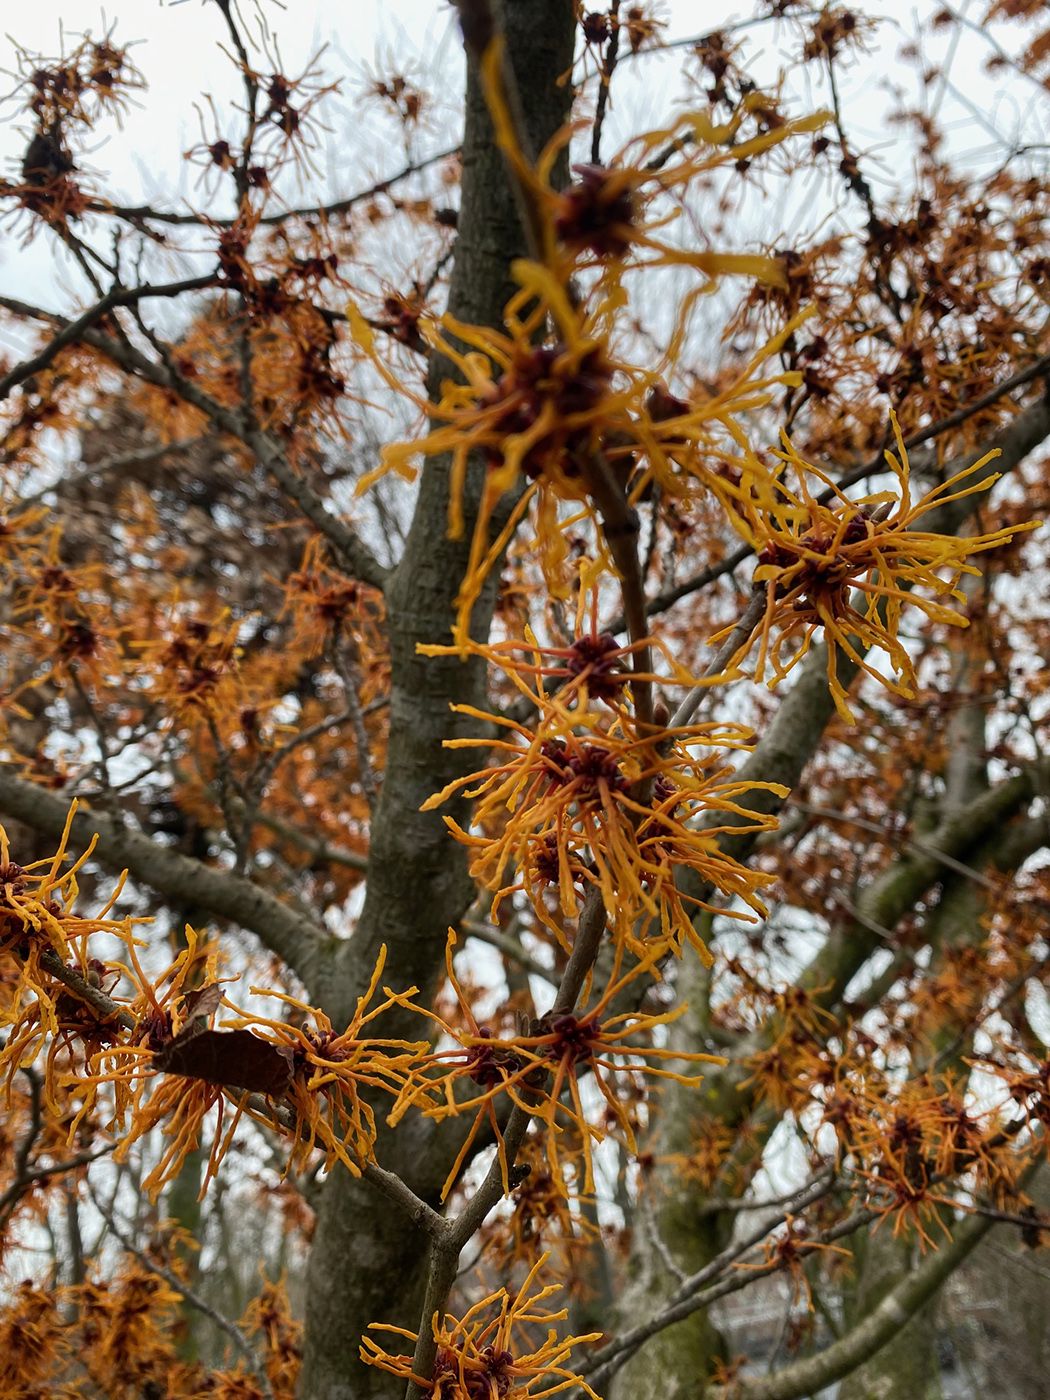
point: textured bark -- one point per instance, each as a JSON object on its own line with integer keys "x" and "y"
{"x": 304, "y": 945}
{"x": 365, "y": 1264}
{"x": 997, "y": 1314}
{"x": 907, "y": 1370}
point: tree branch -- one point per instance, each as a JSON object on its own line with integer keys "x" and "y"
{"x": 899, "y": 1306}
{"x": 139, "y": 214}
{"x": 305, "y": 946}
{"x": 73, "y": 331}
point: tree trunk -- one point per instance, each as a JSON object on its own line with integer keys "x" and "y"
{"x": 366, "y": 1261}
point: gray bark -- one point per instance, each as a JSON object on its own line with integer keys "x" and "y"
{"x": 907, "y": 1370}
{"x": 365, "y": 1264}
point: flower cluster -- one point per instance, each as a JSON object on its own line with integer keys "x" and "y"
{"x": 544, "y": 402}
{"x": 848, "y": 566}
{"x": 40, "y": 929}
{"x": 540, "y": 1070}
{"x": 490, "y": 1353}
{"x": 588, "y": 796}
{"x": 567, "y": 421}
{"x": 66, "y": 97}
{"x": 156, "y": 1057}
{"x": 118, "y": 1334}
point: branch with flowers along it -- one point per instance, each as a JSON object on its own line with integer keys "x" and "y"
{"x": 306, "y": 947}
{"x": 1014, "y": 443}
{"x": 445, "y": 1252}
{"x": 418, "y": 1213}
{"x": 536, "y": 390}
{"x": 167, "y": 1038}
{"x": 591, "y": 812}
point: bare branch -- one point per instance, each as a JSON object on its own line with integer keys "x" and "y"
{"x": 72, "y": 331}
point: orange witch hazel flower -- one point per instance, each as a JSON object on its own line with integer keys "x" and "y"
{"x": 57, "y": 610}
{"x": 324, "y": 605}
{"x": 193, "y": 669}
{"x": 175, "y": 1068}
{"x": 129, "y": 1068}
{"x": 792, "y": 1248}
{"x": 36, "y": 901}
{"x": 539, "y": 1071}
{"x": 37, "y": 921}
{"x": 608, "y": 217}
{"x": 594, "y": 665}
{"x": 491, "y": 1352}
{"x": 546, "y": 402}
{"x": 584, "y": 798}
{"x": 850, "y": 566}
{"x": 566, "y": 416}
{"x": 330, "y": 1072}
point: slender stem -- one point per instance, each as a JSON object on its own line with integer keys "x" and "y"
{"x": 736, "y": 639}
{"x": 441, "y": 1275}
{"x": 612, "y": 54}
{"x": 194, "y": 1299}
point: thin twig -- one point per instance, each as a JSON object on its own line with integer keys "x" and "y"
{"x": 688, "y": 1296}
{"x": 73, "y": 331}
{"x": 185, "y": 1292}
{"x": 729, "y": 648}
{"x": 612, "y": 53}
{"x": 145, "y": 213}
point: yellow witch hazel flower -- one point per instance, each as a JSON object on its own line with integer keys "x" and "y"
{"x": 40, "y": 928}
{"x": 36, "y": 901}
{"x": 589, "y": 798}
{"x": 545, "y": 402}
{"x": 492, "y": 1353}
{"x": 850, "y": 566}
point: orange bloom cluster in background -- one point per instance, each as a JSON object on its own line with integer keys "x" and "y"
{"x": 120, "y": 1332}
